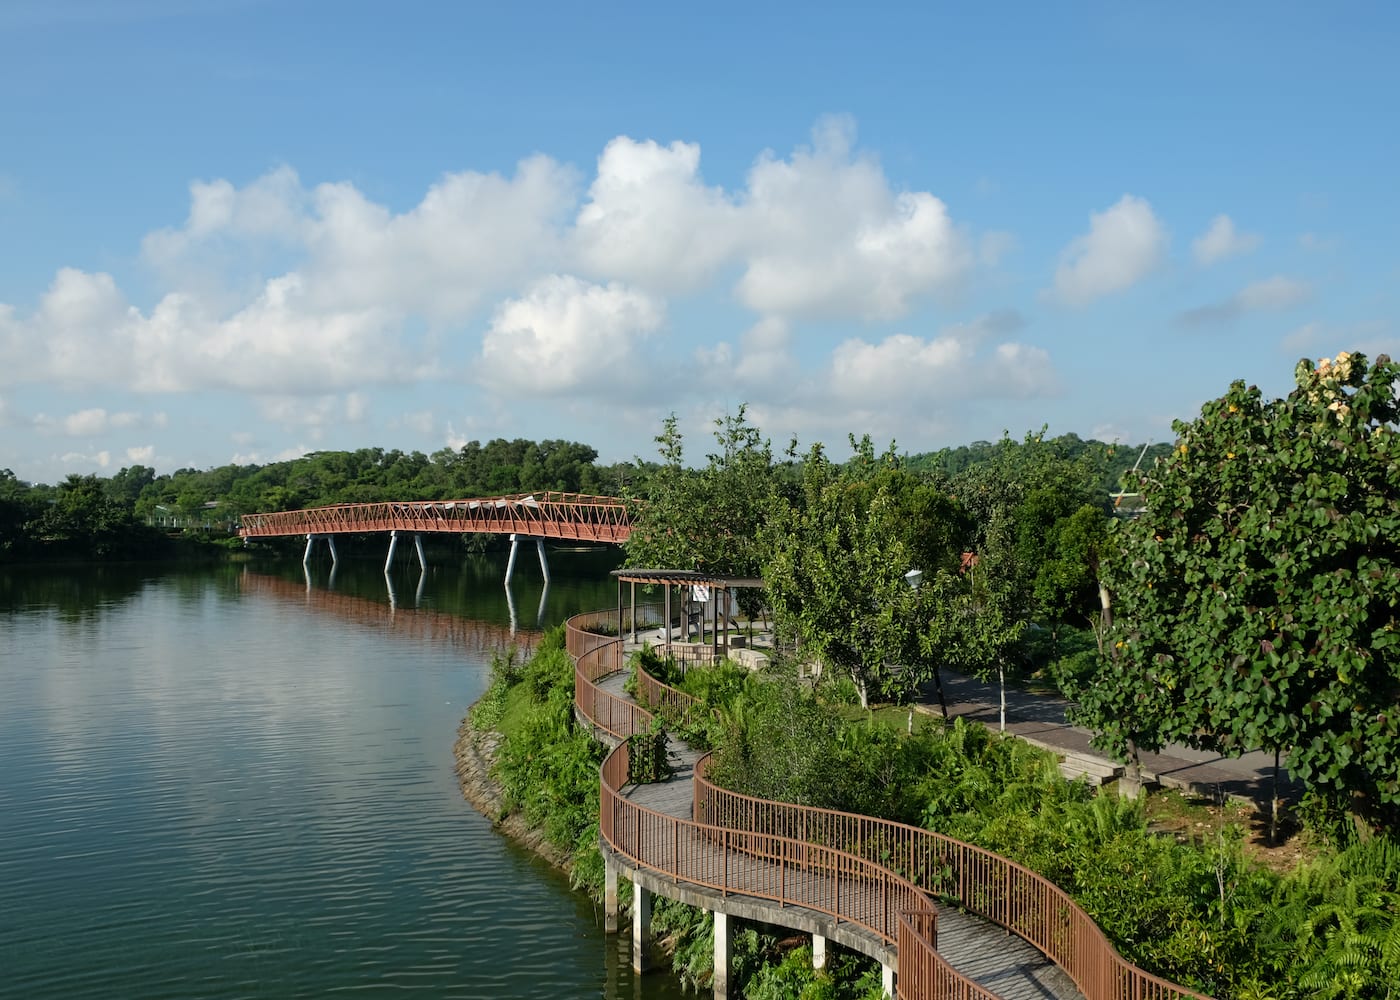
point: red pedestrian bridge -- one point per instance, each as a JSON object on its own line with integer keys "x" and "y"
{"x": 577, "y": 517}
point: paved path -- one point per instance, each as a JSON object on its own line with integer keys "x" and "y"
{"x": 1041, "y": 720}
{"x": 1002, "y": 962}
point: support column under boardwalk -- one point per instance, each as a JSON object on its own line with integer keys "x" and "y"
{"x": 887, "y": 979}
{"x": 610, "y": 898}
{"x": 724, "y": 953}
{"x": 641, "y": 926}
{"x": 818, "y": 952}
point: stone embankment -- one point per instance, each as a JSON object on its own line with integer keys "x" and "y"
{"x": 475, "y": 754}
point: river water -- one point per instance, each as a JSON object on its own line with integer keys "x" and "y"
{"x": 238, "y": 782}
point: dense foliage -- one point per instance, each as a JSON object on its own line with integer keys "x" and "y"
{"x": 546, "y": 764}
{"x": 1256, "y": 600}
{"x": 1194, "y": 912}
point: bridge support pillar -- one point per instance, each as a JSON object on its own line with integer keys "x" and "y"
{"x": 393, "y": 545}
{"x": 422, "y": 559}
{"x": 544, "y": 565}
{"x": 510, "y": 563}
{"x": 818, "y": 952}
{"x": 641, "y": 926}
{"x": 311, "y": 540}
{"x": 724, "y": 952}
{"x": 887, "y": 979}
{"x": 609, "y": 897}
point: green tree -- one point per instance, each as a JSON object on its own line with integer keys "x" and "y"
{"x": 836, "y": 575}
{"x": 1256, "y": 597}
{"x": 711, "y": 518}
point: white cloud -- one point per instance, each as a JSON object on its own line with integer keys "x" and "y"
{"x": 1124, "y": 244}
{"x": 141, "y": 455}
{"x": 1274, "y": 293}
{"x": 313, "y": 414}
{"x": 829, "y": 237}
{"x": 1221, "y": 240}
{"x": 564, "y": 333}
{"x": 650, "y": 220}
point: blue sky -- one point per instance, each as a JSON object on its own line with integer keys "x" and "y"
{"x": 235, "y": 231}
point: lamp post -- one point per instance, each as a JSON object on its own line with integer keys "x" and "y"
{"x": 914, "y": 577}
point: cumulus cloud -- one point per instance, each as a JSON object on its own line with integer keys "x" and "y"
{"x": 312, "y": 414}
{"x": 564, "y": 333}
{"x": 1221, "y": 240}
{"x": 960, "y": 361}
{"x": 1124, "y": 244}
{"x": 141, "y": 454}
{"x": 1274, "y": 293}
{"x": 829, "y": 237}
{"x": 650, "y": 219}
{"x": 820, "y": 233}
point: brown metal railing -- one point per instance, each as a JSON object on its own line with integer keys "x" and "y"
{"x": 993, "y": 887}
{"x": 574, "y": 516}
{"x": 867, "y": 871}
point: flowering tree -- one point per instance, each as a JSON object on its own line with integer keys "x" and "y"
{"x": 1256, "y": 598}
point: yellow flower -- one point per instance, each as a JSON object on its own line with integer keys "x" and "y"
{"x": 1181, "y": 448}
{"x": 1234, "y": 408}
{"x": 1229, "y": 454}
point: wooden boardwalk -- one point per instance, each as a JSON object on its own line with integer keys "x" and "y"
{"x": 1000, "y": 962}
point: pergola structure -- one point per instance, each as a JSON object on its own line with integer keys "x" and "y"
{"x": 687, "y": 579}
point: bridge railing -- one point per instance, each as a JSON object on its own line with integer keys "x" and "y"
{"x": 806, "y": 842}
{"x": 710, "y": 856}
{"x": 995, "y": 888}
{"x": 574, "y": 516}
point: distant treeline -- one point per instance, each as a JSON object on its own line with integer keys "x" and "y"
{"x": 132, "y": 513}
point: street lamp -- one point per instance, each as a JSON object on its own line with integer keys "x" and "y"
{"x": 914, "y": 577}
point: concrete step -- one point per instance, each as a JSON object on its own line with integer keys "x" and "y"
{"x": 1096, "y": 770}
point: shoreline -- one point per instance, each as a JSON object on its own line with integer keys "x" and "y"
{"x": 474, "y": 754}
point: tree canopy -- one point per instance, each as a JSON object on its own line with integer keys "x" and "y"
{"x": 1255, "y": 600}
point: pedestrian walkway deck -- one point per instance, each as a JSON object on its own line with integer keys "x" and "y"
{"x": 997, "y": 930}
{"x": 986, "y": 954}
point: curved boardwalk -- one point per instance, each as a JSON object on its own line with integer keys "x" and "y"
{"x": 867, "y": 883}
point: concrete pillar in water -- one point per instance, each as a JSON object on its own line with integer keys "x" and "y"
{"x": 544, "y": 564}
{"x": 335, "y": 557}
{"x": 310, "y": 540}
{"x": 393, "y": 544}
{"x": 887, "y": 979}
{"x": 818, "y": 952}
{"x": 724, "y": 953}
{"x": 510, "y": 563}
{"x": 609, "y": 897}
{"x": 422, "y": 559}
{"x": 641, "y": 926}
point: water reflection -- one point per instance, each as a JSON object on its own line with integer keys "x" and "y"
{"x": 227, "y": 784}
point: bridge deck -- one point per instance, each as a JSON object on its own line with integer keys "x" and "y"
{"x": 1001, "y": 962}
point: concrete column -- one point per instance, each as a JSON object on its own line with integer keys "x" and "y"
{"x": 609, "y": 897}
{"x": 887, "y": 979}
{"x": 724, "y": 953}
{"x": 335, "y": 558}
{"x": 393, "y": 545}
{"x": 510, "y": 563}
{"x": 544, "y": 563}
{"x": 641, "y": 926}
{"x": 422, "y": 559}
{"x": 310, "y": 539}
{"x": 818, "y": 952}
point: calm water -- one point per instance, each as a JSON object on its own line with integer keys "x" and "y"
{"x": 230, "y": 783}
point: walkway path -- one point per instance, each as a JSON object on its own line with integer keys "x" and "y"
{"x": 1040, "y": 719}
{"x": 1001, "y": 962}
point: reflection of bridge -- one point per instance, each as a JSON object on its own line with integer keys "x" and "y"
{"x": 476, "y": 637}
{"x": 874, "y": 885}
{"x": 575, "y": 517}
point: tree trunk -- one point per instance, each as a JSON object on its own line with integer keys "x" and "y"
{"x": 1132, "y": 779}
{"x": 1001, "y": 682}
{"x": 1105, "y": 616}
{"x": 1273, "y": 814}
{"x": 938, "y": 686}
